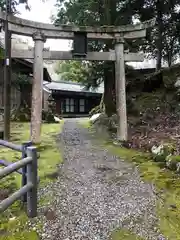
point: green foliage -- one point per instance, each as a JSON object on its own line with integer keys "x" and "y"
{"x": 84, "y": 72}
{"x": 74, "y": 71}
{"x": 48, "y": 117}
{"x": 22, "y": 114}
{"x": 14, "y": 4}
{"x": 20, "y": 82}
{"x": 163, "y": 40}
{"x": 19, "y": 79}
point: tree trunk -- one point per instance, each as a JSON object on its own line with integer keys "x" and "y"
{"x": 101, "y": 105}
{"x": 109, "y": 89}
{"x": 170, "y": 53}
{"x": 108, "y": 15}
{"x": 169, "y": 59}
{"x": 159, "y": 51}
{"x": 160, "y": 37}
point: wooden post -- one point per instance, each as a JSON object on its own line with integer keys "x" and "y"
{"x": 7, "y": 75}
{"x": 32, "y": 173}
{"x": 37, "y": 88}
{"x": 24, "y": 169}
{"x": 121, "y": 91}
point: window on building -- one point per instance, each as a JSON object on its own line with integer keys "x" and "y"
{"x": 82, "y": 105}
{"x": 69, "y": 105}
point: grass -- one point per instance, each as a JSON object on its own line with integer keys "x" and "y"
{"x": 12, "y": 221}
{"x": 167, "y": 184}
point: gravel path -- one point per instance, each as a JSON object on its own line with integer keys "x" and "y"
{"x": 97, "y": 193}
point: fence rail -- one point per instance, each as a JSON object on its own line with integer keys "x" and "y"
{"x": 12, "y": 146}
{"x": 28, "y": 191}
{"x": 14, "y": 166}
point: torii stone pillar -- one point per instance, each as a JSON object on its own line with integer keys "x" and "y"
{"x": 122, "y": 133}
{"x": 37, "y": 87}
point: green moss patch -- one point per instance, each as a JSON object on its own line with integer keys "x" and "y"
{"x": 32, "y": 235}
{"x": 50, "y": 155}
{"x": 13, "y": 220}
{"x": 123, "y": 234}
{"x": 168, "y": 189}
{"x": 15, "y": 228}
{"x": 85, "y": 123}
{"x": 176, "y": 158}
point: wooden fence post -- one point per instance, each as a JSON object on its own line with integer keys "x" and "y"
{"x": 32, "y": 172}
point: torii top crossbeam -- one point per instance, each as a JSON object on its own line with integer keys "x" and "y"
{"x": 26, "y": 27}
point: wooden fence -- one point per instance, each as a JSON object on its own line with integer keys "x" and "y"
{"x": 28, "y": 191}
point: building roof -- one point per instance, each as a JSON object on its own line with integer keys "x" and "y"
{"x": 70, "y": 87}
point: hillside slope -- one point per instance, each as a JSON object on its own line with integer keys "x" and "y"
{"x": 153, "y": 106}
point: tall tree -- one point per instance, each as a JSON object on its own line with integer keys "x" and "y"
{"x": 171, "y": 37}
{"x": 96, "y": 13}
{"x": 74, "y": 71}
{"x": 80, "y": 71}
{"x": 161, "y": 41}
{"x": 14, "y": 4}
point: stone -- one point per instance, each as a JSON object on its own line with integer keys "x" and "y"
{"x": 178, "y": 167}
{"x": 157, "y": 150}
{"x": 50, "y": 214}
{"x": 173, "y": 206}
{"x": 163, "y": 153}
{"x": 177, "y": 83}
{"x": 95, "y": 117}
{"x": 57, "y": 120}
{"x": 171, "y": 164}
{"x": 102, "y": 205}
{"x": 12, "y": 219}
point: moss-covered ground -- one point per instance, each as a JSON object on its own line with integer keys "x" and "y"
{"x": 123, "y": 234}
{"x": 13, "y": 220}
{"x": 167, "y": 185}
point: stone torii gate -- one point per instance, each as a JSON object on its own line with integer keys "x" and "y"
{"x": 40, "y": 32}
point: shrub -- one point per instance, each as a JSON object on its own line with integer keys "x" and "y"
{"x": 47, "y": 116}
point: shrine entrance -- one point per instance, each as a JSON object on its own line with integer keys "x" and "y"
{"x": 81, "y": 35}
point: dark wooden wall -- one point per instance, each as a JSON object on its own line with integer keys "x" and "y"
{"x": 90, "y": 102}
